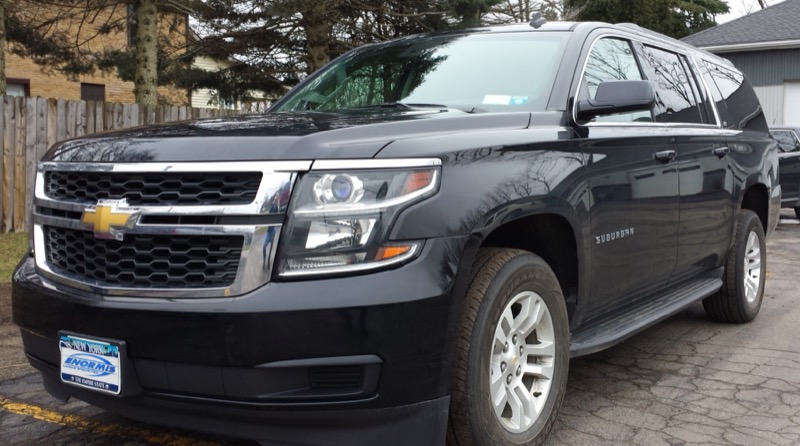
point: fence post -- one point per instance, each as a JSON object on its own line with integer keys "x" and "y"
{"x": 61, "y": 120}
{"x": 9, "y": 144}
{"x": 3, "y": 146}
{"x": 43, "y": 131}
{"x": 72, "y": 119}
{"x": 31, "y": 128}
{"x": 80, "y": 118}
{"x": 52, "y": 110}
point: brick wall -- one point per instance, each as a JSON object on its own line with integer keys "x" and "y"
{"x": 46, "y": 82}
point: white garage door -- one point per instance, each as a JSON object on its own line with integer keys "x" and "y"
{"x": 791, "y": 103}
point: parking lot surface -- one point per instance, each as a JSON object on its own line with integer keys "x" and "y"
{"x": 686, "y": 381}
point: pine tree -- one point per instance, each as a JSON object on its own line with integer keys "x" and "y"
{"x": 675, "y": 18}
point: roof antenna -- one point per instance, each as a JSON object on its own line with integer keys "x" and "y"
{"x": 537, "y": 20}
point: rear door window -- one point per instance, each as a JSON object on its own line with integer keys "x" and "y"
{"x": 675, "y": 97}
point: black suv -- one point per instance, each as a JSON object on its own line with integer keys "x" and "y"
{"x": 407, "y": 248}
{"x": 788, "y": 139}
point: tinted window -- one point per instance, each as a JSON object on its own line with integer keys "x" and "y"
{"x": 699, "y": 91}
{"x": 787, "y": 140}
{"x": 675, "y": 99}
{"x": 740, "y": 99}
{"x": 612, "y": 60}
{"x": 489, "y": 71}
{"x": 716, "y": 95}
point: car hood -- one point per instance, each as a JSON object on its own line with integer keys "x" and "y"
{"x": 277, "y": 136}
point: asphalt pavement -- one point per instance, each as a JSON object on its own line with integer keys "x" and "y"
{"x": 686, "y": 381}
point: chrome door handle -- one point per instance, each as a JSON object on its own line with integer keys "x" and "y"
{"x": 665, "y": 156}
{"x": 721, "y": 152}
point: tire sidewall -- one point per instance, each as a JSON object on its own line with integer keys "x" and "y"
{"x": 750, "y": 224}
{"x": 518, "y": 275}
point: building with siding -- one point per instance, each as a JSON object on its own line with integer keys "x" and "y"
{"x": 765, "y": 45}
{"x": 208, "y": 98}
{"x": 204, "y": 97}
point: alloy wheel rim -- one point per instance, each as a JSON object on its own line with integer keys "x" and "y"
{"x": 521, "y": 365}
{"x": 752, "y": 267}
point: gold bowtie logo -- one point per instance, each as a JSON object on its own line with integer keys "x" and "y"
{"x": 109, "y": 217}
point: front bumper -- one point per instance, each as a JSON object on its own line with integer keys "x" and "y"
{"x": 333, "y": 361}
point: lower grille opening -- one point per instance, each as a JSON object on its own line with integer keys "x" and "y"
{"x": 336, "y": 377}
{"x": 145, "y": 260}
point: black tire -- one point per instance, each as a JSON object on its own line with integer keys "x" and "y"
{"x": 797, "y": 213}
{"x": 499, "y": 278}
{"x": 731, "y": 302}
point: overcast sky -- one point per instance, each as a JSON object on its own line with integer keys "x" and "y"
{"x": 742, "y": 7}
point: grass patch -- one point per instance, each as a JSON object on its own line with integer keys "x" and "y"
{"x": 12, "y": 247}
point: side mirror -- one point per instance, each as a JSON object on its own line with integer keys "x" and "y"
{"x": 614, "y": 97}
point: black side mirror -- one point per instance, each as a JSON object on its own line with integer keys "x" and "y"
{"x": 614, "y": 97}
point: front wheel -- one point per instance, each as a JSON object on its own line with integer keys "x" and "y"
{"x": 512, "y": 354}
{"x": 739, "y": 299}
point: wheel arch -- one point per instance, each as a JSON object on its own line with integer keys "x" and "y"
{"x": 756, "y": 198}
{"x": 550, "y": 236}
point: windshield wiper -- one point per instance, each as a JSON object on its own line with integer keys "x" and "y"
{"x": 413, "y": 106}
{"x": 404, "y": 105}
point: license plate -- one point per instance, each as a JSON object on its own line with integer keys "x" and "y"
{"x": 91, "y": 363}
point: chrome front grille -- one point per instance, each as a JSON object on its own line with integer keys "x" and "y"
{"x": 145, "y": 260}
{"x": 154, "y": 188}
{"x": 179, "y": 247}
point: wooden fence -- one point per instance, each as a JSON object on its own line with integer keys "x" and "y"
{"x": 30, "y": 125}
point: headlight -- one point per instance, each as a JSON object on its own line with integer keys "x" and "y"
{"x": 340, "y": 217}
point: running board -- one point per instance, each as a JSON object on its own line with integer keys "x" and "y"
{"x": 608, "y": 331}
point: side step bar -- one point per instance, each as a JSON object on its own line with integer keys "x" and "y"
{"x": 604, "y": 333}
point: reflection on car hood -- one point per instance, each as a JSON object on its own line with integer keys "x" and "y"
{"x": 277, "y": 136}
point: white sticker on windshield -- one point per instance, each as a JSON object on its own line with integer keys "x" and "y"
{"x": 496, "y": 99}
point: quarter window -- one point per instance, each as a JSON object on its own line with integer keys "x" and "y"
{"x": 742, "y": 102}
{"x": 675, "y": 100}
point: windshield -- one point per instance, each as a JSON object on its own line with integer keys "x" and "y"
{"x": 495, "y": 72}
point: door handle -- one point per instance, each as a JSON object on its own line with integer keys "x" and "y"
{"x": 665, "y": 156}
{"x": 721, "y": 152}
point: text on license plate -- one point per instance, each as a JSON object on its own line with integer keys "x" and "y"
{"x": 90, "y": 363}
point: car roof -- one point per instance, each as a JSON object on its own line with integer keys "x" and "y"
{"x": 586, "y": 27}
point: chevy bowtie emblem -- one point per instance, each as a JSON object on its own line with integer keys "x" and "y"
{"x": 109, "y": 217}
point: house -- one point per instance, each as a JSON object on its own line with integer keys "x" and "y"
{"x": 765, "y": 45}
{"x": 208, "y": 98}
{"x": 205, "y": 97}
{"x": 25, "y": 78}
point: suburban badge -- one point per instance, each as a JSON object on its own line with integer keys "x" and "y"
{"x": 109, "y": 217}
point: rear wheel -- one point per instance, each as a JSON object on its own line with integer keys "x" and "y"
{"x": 739, "y": 299}
{"x": 512, "y": 355}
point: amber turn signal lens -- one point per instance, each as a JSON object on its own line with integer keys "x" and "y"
{"x": 388, "y": 252}
{"x": 417, "y": 180}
